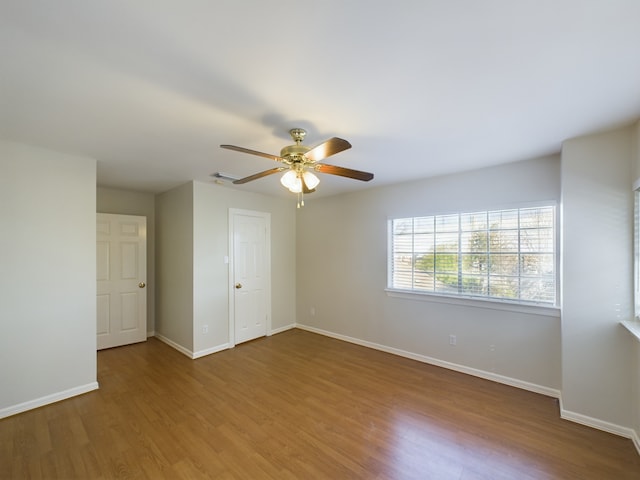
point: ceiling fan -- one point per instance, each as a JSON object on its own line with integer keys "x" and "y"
{"x": 300, "y": 161}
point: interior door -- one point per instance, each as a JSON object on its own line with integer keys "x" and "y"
{"x": 121, "y": 254}
{"x": 250, "y": 273}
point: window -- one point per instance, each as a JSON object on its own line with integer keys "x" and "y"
{"x": 501, "y": 254}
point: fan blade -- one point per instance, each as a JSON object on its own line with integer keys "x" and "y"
{"x": 343, "y": 172}
{"x": 330, "y": 147}
{"x": 259, "y": 175}
{"x": 253, "y": 152}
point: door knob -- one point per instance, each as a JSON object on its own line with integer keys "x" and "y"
{"x": 142, "y": 285}
{"x": 238, "y": 285}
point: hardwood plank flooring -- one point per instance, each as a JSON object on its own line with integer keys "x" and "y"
{"x": 301, "y": 406}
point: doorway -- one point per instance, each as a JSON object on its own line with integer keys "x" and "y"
{"x": 121, "y": 270}
{"x": 250, "y": 275}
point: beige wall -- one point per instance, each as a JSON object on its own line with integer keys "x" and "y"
{"x": 211, "y": 210}
{"x": 635, "y": 361}
{"x": 174, "y": 266}
{"x": 342, "y": 275}
{"x": 597, "y": 265}
{"x": 193, "y": 278}
{"x": 635, "y": 393}
{"x": 48, "y": 281}
{"x": 123, "y": 202}
{"x": 636, "y": 154}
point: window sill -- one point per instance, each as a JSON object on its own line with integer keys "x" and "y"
{"x": 542, "y": 310}
{"x": 633, "y": 326}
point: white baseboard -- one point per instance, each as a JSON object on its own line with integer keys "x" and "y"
{"x": 209, "y": 351}
{"x": 177, "y": 346}
{"x": 282, "y": 329}
{"x": 550, "y": 392}
{"x": 599, "y": 424}
{"x": 185, "y": 351}
{"x": 636, "y": 441}
{"x": 48, "y": 399}
{"x": 151, "y": 334}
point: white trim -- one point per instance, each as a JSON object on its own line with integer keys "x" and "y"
{"x": 598, "y": 424}
{"x": 491, "y": 304}
{"x": 532, "y": 387}
{"x": 636, "y": 251}
{"x": 636, "y": 441}
{"x": 557, "y": 225}
{"x": 48, "y": 399}
{"x": 191, "y": 354}
{"x": 176, "y": 346}
{"x": 219, "y": 348}
{"x": 281, "y": 329}
{"x": 231, "y": 288}
{"x": 151, "y": 334}
{"x": 633, "y": 326}
{"x": 230, "y": 298}
{"x": 209, "y": 351}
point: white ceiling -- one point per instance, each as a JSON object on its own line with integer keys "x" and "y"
{"x": 151, "y": 88}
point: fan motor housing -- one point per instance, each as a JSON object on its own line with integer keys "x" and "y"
{"x": 293, "y": 152}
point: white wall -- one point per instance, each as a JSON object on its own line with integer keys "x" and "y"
{"x": 211, "y": 274}
{"x": 192, "y": 228}
{"x": 48, "y": 281}
{"x": 636, "y": 153}
{"x": 635, "y": 394}
{"x": 342, "y": 274}
{"x": 122, "y": 202}
{"x": 597, "y": 353}
{"x": 174, "y": 266}
{"x": 635, "y": 361}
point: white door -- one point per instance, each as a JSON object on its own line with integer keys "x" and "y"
{"x": 121, "y": 255}
{"x": 250, "y": 274}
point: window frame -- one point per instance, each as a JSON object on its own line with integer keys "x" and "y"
{"x": 636, "y": 251}
{"x": 480, "y": 300}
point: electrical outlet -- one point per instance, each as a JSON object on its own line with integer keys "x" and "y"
{"x": 312, "y": 311}
{"x": 453, "y": 340}
{"x": 205, "y": 329}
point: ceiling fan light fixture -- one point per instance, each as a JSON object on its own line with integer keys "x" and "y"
{"x": 297, "y": 187}
{"x": 292, "y": 181}
{"x": 300, "y": 160}
{"x": 310, "y": 180}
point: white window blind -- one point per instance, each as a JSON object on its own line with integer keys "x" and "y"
{"x": 499, "y": 254}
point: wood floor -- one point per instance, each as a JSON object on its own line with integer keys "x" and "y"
{"x": 301, "y": 406}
